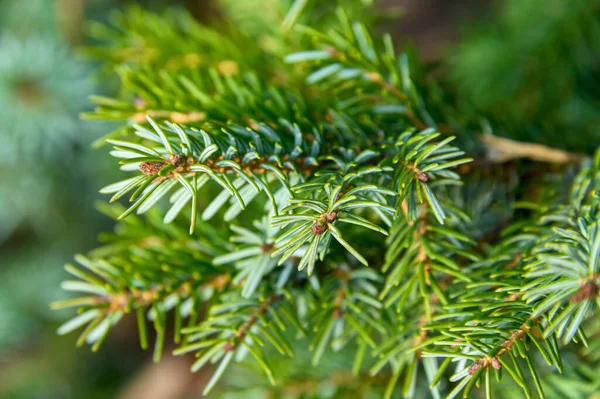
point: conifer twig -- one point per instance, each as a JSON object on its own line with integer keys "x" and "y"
{"x": 241, "y": 332}
{"x": 500, "y": 150}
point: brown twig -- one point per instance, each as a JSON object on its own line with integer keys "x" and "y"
{"x": 244, "y": 328}
{"x": 507, "y": 345}
{"x": 588, "y": 290}
{"x": 376, "y": 77}
{"x": 140, "y": 298}
{"x": 500, "y": 150}
{"x": 182, "y": 166}
{"x": 173, "y": 116}
{"x": 340, "y": 293}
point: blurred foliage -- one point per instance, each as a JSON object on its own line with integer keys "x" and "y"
{"x": 533, "y": 71}
{"x": 48, "y": 181}
{"x": 299, "y": 379}
{"x": 24, "y": 18}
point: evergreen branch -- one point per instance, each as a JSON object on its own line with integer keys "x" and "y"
{"x": 316, "y": 223}
{"x": 240, "y": 333}
{"x": 549, "y": 284}
{"x": 172, "y": 40}
{"x": 347, "y": 304}
{"x": 350, "y": 61}
{"x": 345, "y": 150}
{"x": 143, "y": 268}
{"x": 206, "y": 157}
{"x": 423, "y": 160}
{"x": 417, "y": 286}
{"x": 257, "y": 319}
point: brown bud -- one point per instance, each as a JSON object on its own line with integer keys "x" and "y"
{"x": 219, "y": 281}
{"x": 474, "y": 367}
{"x": 177, "y": 160}
{"x": 422, "y": 176}
{"x": 318, "y": 228}
{"x": 495, "y": 363}
{"x": 331, "y": 216}
{"x": 229, "y": 346}
{"x": 266, "y": 247}
{"x": 151, "y": 168}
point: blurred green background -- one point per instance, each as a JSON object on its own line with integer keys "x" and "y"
{"x": 531, "y": 67}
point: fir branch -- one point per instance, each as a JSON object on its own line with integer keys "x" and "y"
{"x": 341, "y": 142}
{"x": 506, "y": 346}
{"x": 242, "y": 330}
{"x": 548, "y": 283}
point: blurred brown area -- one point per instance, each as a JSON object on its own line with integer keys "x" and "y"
{"x": 433, "y": 24}
{"x": 70, "y": 18}
{"x": 169, "y": 379}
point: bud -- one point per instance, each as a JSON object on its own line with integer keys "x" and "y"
{"x": 318, "y": 228}
{"x": 495, "y": 363}
{"x": 422, "y": 176}
{"x": 266, "y": 247}
{"x": 331, "y": 217}
{"x": 177, "y": 160}
{"x": 151, "y": 168}
{"x": 474, "y": 367}
{"x": 139, "y": 102}
{"x": 332, "y": 52}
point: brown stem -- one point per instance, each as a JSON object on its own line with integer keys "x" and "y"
{"x": 241, "y": 332}
{"x": 588, "y": 290}
{"x": 500, "y": 150}
{"x": 173, "y": 116}
{"x": 507, "y": 345}
{"x": 182, "y": 166}
{"x": 140, "y": 298}
{"x": 340, "y": 295}
{"x": 393, "y": 90}
{"x": 419, "y": 232}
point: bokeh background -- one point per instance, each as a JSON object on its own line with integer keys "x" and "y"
{"x": 532, "y": 67}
